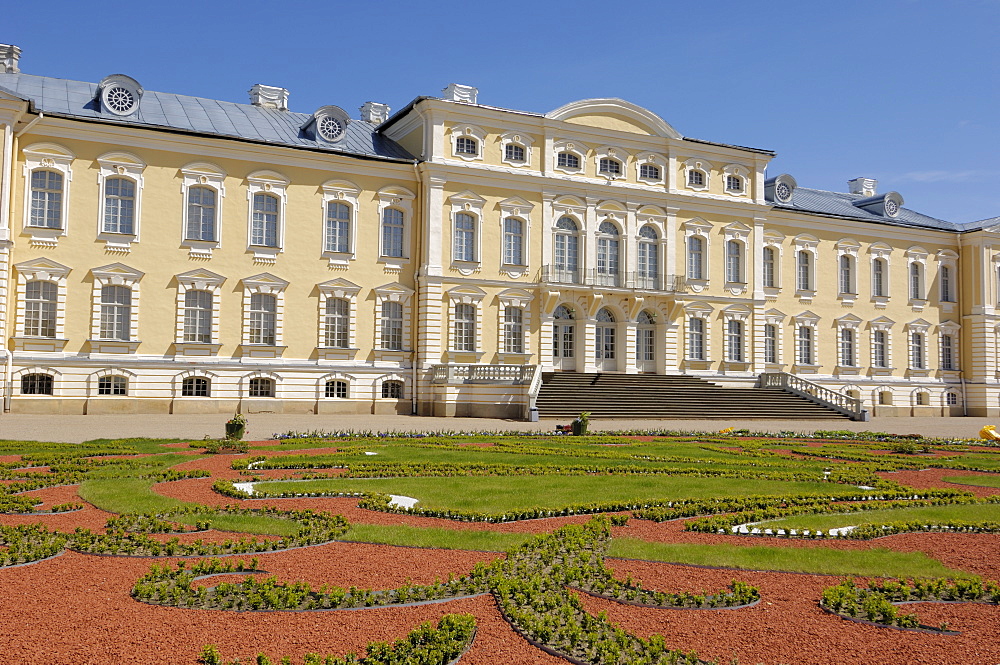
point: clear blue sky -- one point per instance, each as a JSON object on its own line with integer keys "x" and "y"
{"x": 902, "y": 91}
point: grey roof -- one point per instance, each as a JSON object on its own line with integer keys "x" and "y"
{"x": 162, "y": 110}
{"x": 840, "y": 204}
{"x": 982, "y": 224}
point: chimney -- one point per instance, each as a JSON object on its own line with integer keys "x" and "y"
{"x": 375, "y": 113}
{"x": 456, "y": 92}
{"x": 862, "y": 186}
{"x": 269, "y": 97}
{"x": 9, "y": 57}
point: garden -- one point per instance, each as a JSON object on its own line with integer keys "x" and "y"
{"x": 331, "y": 548}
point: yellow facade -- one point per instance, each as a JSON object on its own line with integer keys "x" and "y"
{"x": 595, "y": 238}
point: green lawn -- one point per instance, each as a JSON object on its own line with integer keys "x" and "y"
{"x": 978, "y": 481}
{"x": 930, "y": 514}
{"x": 500, "y": 494}
{"x": 875, "y": 562}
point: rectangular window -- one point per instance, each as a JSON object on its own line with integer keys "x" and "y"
{"x": 734, "y": 183}
{"x": 847, "y": 347}
{"x": 734, "y": 262}
{"x": 201, "y": 214}
{"x": 917, "y": 350}
{"x": 198, "y": 316}
{"x": 734, "y": 341}
{"x": 767, "y": 267}
{"x": 846, "y": 274}
{"x": 392, "y": 326}
{"x": 337, "y": 323}
{"x": 770, "y": 344}
{"x": 946, "y": 295}
{"x": 263, "y": 319}
{"x": 514, "y": 153}
{"x": 119, "y": 205}
{"x": 646, "y": 345}
{"x": 695, "y": 257}
{"x": 879, "y": 350}
{"x": 805, "y": 271}
{"x": 878, "y": 278}
{"x": 338, "y": 228}
{"x": 916, "y": 282}
{"x": 46, "y": 199}
{"x": 465, "y": 327}
{"x": 513, "y": 242}
{"x": 40, "y": 299}
{"x": 805, "y": 344}
{"x": 116, "y": 312}
{"x": 392, "y": 233}
{"x": 568, "y": 160}
{"x": 264, "y": 230}
{"x": 336, "y": 389}
{"x": 513, "y": 330}
{"x": 261, "y": 388}
{"x": 466, "y": 146}
{"x": 112, "y": 385}
{"x": 696, "y": 339}
{"x": 649, "y": 171}
{"x": 607, "y": 166}
{"x": 465, "y": 237}
{"x": 947, "y": 352}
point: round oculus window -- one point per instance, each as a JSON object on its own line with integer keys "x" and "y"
{"x": 891, "y": 208}
{"x": 783, "y": 192}
{"x": 119, "y": 100}
{"x": 329, "y": 128}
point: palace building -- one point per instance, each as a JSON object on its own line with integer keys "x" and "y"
{"x": 161, "y": 253}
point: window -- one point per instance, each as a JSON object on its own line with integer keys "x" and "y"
{"x": 196, "y": 386}
{"x": 947, "y": 352}
{"x": 36, "y": 384}
{"x": 466, "y": 146}
{"x": 338, "y": 227}
{"x": 921, "y": 399}
{"x": 263, "y": 319}
{"x": 392, "y": 233}
{"x": 337, "y": 323}
{"x": 336, "y": 389}
{"x": 260, "y": 387}
{"x": 609, "y": 167}
{"x": 198, "y": 316}
{"x": 770, "y": 344}
{"x": 805, "y": 345}
{"x": 696, "y": 257}
{"x": 513, "y": 330}
{"x": 649, "y": 171}
{"x": 201, "y": 213}
{"x": 645, "y": 342}
{"x": 847, "y": 347}
{"x": 767, "y": 267}
{"x": 513, "y": 242}
{"x": 696, "y": 178}
{"x": 734, "y": 183}
{"x": 885, "y": 398}
{"x": 916, "y": 281}
{"x": 604, "y": 333}
{"x": 917, "y": 350}
{"x": 40, "y": 299}
{"x": 607, "y": 254}
{"x": 465, "y": 237}
{"x": 649, "y": 259}
{"x": 465, "y": 327}
{"x": 112, "y": 385}
{"x": 734, "y": 341}
{"x": 846, "y": 274}
{"x": 880, "y": 355}
{"x": 805, "y": 281}
{"x": 562, "y": 333}
{"x": 734, "y": 262}
{"x": 264, "y": 227}
{"x": 46, "y": 199}
{"x": 116, "y": 312}
{"x": 946, "y": 290}
{"x": 514, "y": 153}
{"x": 568, "y": 160}
{"x": 119, "y": 205}
{"x": 392, "y": 389}
{"x": 879, "y": 278}
{"x": 696, "y": 339}
{"x": 567, "y": 249}
{"x": 392, "y": 326}
{"x": 950, "y": 398}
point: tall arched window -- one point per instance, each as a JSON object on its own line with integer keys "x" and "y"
{"x": 604, "y": 348}
{"x": 695, "y": 257}
{"x": 40, "y": 299}
{"x": 567, "y": 259}
{"x": 607, "y": 254}
{"x": 847, "y": 354}
{"x": 805, "y": 345}
{"x": 880, "y": 343}
{"x": 338, "y": 227}
{"x": 917, "y": 350}
{"x": 734, "y": 262}
{"x": 768, "y": 267}
{"x": 513, "y": 242}
{"x": 770, "y": 343}
{"x": 916, "y": 281}
{"x": 464, "y": 326}
{"x": 563, "y": 328}
{"x": 805, "y": 281}
{"x": 696, "y": 338}
{"x": 392, "y": 326}
{"x": 337, "y": 323}
{"x": 879, "y": 278}
{"x": 946, "y": 290}
{"x": 46, "y": 199}
{"x": 392, "y": 233}
{"x": 513, "y": 330}
{"x": 649, "y": 259}
{"x": 119, "y": 205}
{"x": 734, "y": 340}
{"x": 846, "y": 274}
{"x": 198, "y": 316}
{"x": 264, "y": 229}
{"x": 201, "y": 207}
{"x": 116, "y": 312}
{"x": 263, "y": 318}
{"x": 645, "y": 338}
{"x": 465, "y": 237}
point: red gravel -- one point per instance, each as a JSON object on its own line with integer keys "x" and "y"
{"x": 931, "y": 478}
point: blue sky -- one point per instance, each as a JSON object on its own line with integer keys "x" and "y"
{"x": 902, "y": 91}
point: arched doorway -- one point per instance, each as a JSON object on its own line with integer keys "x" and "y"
{"x": 605, "y": 332}
{"x": 563, "y": 339}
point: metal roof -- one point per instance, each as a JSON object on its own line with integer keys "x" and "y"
{"x": 840, "y": 204}
{"x": 162, "y": 110}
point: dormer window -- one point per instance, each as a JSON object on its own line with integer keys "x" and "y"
{"x": 734, "y": 183}
{"x": 329, "y": 128}
{"x": 120, "y": 94}
{"x": 514, "y": 153}
{"x": 568, "y": 160}
{"x": 466, "y": 146}
{"x": 696, "y": 178}
{"x": 649, "y": 172}
{"x": 516, "y": 148}
{"x": 610, "y": 167}
{"x": 328, "y": 123}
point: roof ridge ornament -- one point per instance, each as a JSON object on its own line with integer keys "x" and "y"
{"x": 119, "y": 94}
{"x": 269, "y": 97}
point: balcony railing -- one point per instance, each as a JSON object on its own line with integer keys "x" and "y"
{"x": 497, "y": 375}
{"x": 626, "y": 280}
{"x": 849, "y": 406}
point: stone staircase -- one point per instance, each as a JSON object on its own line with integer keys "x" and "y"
{"x": 638, "y": 396}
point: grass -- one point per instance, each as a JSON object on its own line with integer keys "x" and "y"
{"x": 817, "y": 560}
{"x": 978, "y": 481}
{"x": 500, "y": 494}
{"x": 449, "y": 539}
{"x": 929, "y": 514}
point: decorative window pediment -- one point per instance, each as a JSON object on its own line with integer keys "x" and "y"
{"x": 467, "y": 295}
{"x": 43, "y": 269}
{"x": 339, "y": 288}
{"x": 265, "y": 282}
{"x": 200, "y": 279}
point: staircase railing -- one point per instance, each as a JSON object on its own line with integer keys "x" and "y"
{"x": 790, "y": 383}
{"x": 497, "y": 375}
{"x": 533, "y": 390}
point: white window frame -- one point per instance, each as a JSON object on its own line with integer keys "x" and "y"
{"x": 773, "y": 340}
{"x": 115, "y": 274}
{"x": 740, "y": 315}
{"x": 807, "y": 245}
{"x": 94, "y": 382}
{"x": 397, "y": 293}
{"x": 947, "y": 260}
{"x": 847, "y": 249}
{"x": 346, "y": 193}
{"x": 473, "y": 297}
{"x": 517, "y": 299}
{"x": 650, "y": 159}
{"x": 47, "y": 157}
{"x": 810, "y": 321}
{"x": 740, "y": 235}
{"x": 573, "y": 148}
{"x": 346, "y": 379}
{"x": 701, "y": 229}
{"x": 468, "y": 131}
{"x": 517, "y": 208}
{"x": 703, "y": 312}
{"x": 203, "y": 174}
{"x": 274, "y": 184}
{"x": 519, "y": 139}
{"x": 698, "y": 164}
{"x": 852, "y": 324}
{"x": 264, "y": 283}
{"x": 617, "y": 154}
{"x": 272, "y": 376}
{"x": 55, "y": 375}
{"x": 343, "y": 290}
{"x": 882, "y": 325}
{"x": 917, "y": 298}
{"x": 119, "y": 165}
{"x": 736, "y": 171}
{"x": 42, "y": 270}
{"x": 772, "y": 241}
{"x": 400, "y": 199}
{"x": 198, "y": 279}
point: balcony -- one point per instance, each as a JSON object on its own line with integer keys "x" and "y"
{"x": 621, "y": 280}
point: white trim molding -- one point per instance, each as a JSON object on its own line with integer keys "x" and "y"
{"x": 202, "y": 174}
{"x": 130, "y": 167}
{"x": 47, "y": 157}
{"x": 274, "y": 184}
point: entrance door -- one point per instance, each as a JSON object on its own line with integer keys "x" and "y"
{"x": 604, "y": 342}
{"x": 563, "y": 342}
